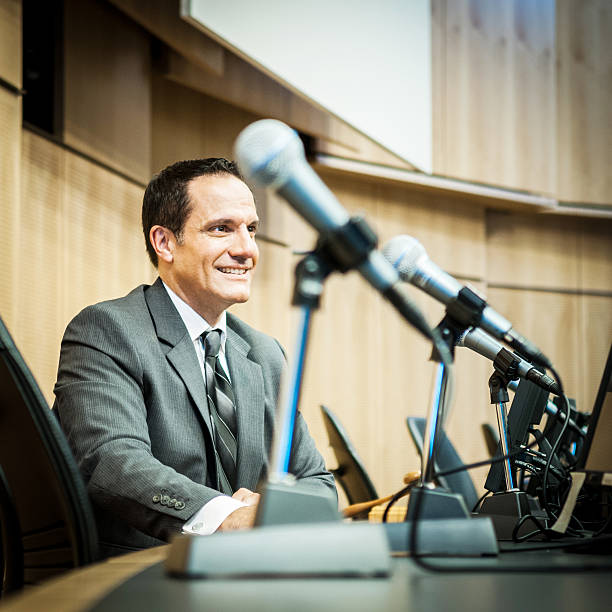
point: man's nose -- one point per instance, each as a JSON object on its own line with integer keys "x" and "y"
{"x": 244, "y": 244}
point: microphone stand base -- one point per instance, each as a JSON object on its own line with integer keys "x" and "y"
{"x": 506, "y": 508}
{"x": 283, "y": 551}
{"x": 435, "y": 503}
{"x": 289, "y": 502}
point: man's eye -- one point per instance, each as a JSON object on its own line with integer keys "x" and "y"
{"x": 219, "y": 228}
{"x": 253, "y": 229}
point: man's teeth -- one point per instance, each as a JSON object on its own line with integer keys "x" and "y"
{"x": 238, "y": 271}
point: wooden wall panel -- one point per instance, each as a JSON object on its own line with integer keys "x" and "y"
{"x": 595, "y": 254}
{"x": 549, "y": 251}
{"x": 584, "y": 94}
{"x": 107, "y": 94}
{"x": 10, "y": 181}
{"x": 39, "y": 284}
{"x": 532, "y": 251}
{"x": 595, "y": 333}
{"x": 104, "y": 249}
{"x": 10, "y": 41}
{"x": 495, "y": 122}
{"x": 188, "y": 124}
{"x": 79, "y": 242}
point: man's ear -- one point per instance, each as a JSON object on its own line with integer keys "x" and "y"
{"x": 164, "y": 242}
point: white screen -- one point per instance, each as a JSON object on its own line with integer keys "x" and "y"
{"x": 367, "y": 62}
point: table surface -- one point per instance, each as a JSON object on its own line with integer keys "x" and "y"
{"x": 513, "y": 582}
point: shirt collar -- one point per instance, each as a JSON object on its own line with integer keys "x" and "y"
{"x": 196, "y": 324}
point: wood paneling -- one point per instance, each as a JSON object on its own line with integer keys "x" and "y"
{"x": 495, "y": 122}
{"x": 79, "y": 241}
{"x": 10, "y": 181}
{"x": 162, "y": 18}
{"x": 39, "y": 283}
{"x": 10, "y": 41}
{"x": 595, "y": 255}
{"x": 189, "y": 125}
{"x": 549, "y": 252}
{"x": 104, "y": 250}
{"x": 595, "y": 333}
{"x": 107, "y": 94}
{"x": 584, "y": 95}
{"x": 532, "y": 251}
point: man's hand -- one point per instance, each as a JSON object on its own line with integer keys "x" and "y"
{"x": 243, "y": 518}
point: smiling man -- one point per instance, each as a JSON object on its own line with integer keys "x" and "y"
{"x": 168, "y": 401}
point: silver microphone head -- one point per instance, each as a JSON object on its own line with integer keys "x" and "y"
{"x": 404, "y": 254}
{"x": 266, "y": 152}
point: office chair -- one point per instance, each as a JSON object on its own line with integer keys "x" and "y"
{"x": 46, "y": 521}
{"x": 446, "y": 458}
{"x": 350, "y": 472}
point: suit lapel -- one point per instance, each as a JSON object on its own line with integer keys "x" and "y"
{"x": 249, "y": 396}
{"x": 181, "y": 353}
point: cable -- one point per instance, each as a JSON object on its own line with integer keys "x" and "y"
{"x": 480, "y": 500}
{"x": 557, "y": 441}
{"x": 395, "y": 498}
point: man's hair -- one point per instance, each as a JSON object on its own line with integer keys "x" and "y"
{"x": 166, "y": 201}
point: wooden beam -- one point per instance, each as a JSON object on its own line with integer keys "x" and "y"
{"x": 162, "y": 18}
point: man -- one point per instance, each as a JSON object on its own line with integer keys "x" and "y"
{"x": 168, "y": 435}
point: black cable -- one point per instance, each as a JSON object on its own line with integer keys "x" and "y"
{"x": 553, "y": 450}
{"x": 395, "y": 498}
{"x": 480, "y": 500}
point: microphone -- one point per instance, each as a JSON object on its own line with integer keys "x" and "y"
{"x": 271, "y": 154}
{"x": 409, "y": 258}
{"x": 482, "y": 343}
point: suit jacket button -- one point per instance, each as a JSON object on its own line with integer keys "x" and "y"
{"x": 156, "y": 499}
{"x": 179, "y": 505}
{"x": 164, "y": 500}
{"x": 172, "y": 502}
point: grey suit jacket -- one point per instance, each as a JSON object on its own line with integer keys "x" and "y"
{"x": 132, "y": 401}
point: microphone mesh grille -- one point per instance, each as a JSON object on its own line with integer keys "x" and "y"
{"x": 266, "y": 152}
{"x": 403, "y": 253}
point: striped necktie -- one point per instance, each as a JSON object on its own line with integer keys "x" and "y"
{"x": 222, "y": 412}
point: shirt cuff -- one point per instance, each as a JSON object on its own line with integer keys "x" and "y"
{"x": 208, "y": 518}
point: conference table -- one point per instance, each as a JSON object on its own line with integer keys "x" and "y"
{"x": 518, "y": 579}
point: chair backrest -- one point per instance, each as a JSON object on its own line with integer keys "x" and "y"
{"x": 46, "y": 521}
{"x": 491, "y": 437}
{"x": 350, "y": 473}
{"x": 446, "y": 458}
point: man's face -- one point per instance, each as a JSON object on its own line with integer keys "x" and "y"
{"x": 214, "y": 262}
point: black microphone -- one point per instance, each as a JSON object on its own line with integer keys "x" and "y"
{"x": 271, "y": 154}
{"x": 488, "y": 347}
{"x": 408, "y": 256}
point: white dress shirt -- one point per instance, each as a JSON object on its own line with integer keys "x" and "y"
{"x": 206, "y": 520}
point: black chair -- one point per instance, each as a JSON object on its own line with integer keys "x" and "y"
{"x": 350, "y": 472}
{"x": 491, "y": 437}
{"x": 446, "y": 459}
{"x": 46, "y": 521}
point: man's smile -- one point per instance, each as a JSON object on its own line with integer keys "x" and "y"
{"x": 234, "y": 271}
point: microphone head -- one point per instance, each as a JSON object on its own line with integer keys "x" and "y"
{"x": 404, "y": 253}
{"x": 266, "y": 152}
